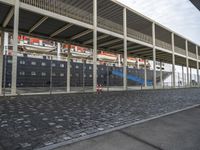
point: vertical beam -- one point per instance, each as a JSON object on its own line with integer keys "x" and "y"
{"x": 68, "y": 67}
{"x": 183, "y": 76}
{"x": 187, "y": 61}
{"x": 173, "y": 61}
{"x": 94, "y": 45}
{"x": 145, "y": 73}
{"x": 58, "y": 50}
{"x": 15, "y": 47}
{"x": 161, "y": 76}
{"x": 154, "y": 55}
{"x": 125, "y": 49}
{"x": 197, "y": 53}
{"x": 1, "y": 61}
{"x": 190, "y": 76}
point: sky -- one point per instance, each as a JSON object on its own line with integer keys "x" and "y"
{"x": 180, "y": 16}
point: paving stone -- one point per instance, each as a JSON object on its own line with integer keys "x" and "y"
{"x": 47, "y": 119}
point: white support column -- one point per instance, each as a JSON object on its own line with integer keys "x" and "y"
{"x": 187, "y": 62}
{"x": 190, "y": 76}
{"x": 161, "y": 76}
{"x": 58, "y": 50}
{"x": 68, "y": 67}
{"x": 183, "y": 76}
{"x": 94, "y": 45}
{"x": 145, "y": 73}
{"x": 1, "y": 61}
{"x": 197, "y": 53}
{"x": 15, "y": 48}
{"x": 154, "y": 55}
{"x": 173, "y": 61}
{"x": 125, "y": 49}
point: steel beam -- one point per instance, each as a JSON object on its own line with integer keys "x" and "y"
{"x": 15, "y": 48}
{"x": 109, "y": 42}
{"x": 98, "y": 38}
{"x": 81, "y": 34}
{"x": 37, "y": 24}
{"x": 8, "y": 17}
{"x": 61, "y": 30}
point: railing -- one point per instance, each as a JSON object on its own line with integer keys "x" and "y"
{"x": 163, "y": 44}
{"x": 109, "y": 25}
{"x": 139, "y": 36}
{"x": 190, "y": 54}
{"x": 62, "y": 8}
{"x": 180, "y": 50}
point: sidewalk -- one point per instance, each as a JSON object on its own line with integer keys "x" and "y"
{"x": 179, "y": 131}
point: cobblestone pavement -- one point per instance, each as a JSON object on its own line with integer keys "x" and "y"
{"x": 28, "y": 122}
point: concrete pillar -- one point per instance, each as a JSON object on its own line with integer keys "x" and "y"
{"x": 1, "y": 61}
{"x": 154, "y": 56}
{"x": 183, "y": 76}
{"x": 187, "y": 62}
{"x": 197, "y": 53}
{"x": 94, "y": 45}
{"x": 125, "y": 50}
{"x": 145, "y": 73}
{"x": 68, "y": 67}
{"x": 161, "y": 76}
{"x": 173, "y": 62}
{"x": 15, "y": 48}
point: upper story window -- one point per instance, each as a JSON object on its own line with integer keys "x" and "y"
{"x": 62, "y": 74}
{"x": 62, "y": 65}
{"x": 33, "y": 63}
{"x": 21, "y": 73}
{"x": 53, "y": 74}
{"x": 22, "y": 62}
{"x": 90, "y": 67}
{"x": 43, "y": 74}
{"x": 10, "y": 61}
{"x": 43, "y": 64}
{"x": 53, "y": 65}
{"x": 33, "y": 73}
{"x": 77, "y": 66}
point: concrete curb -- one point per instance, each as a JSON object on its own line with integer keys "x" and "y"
{"x": 53, "y": 146}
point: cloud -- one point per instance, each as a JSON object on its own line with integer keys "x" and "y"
{"x": 180, "y": 16}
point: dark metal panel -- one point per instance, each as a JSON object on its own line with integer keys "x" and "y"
{"x": 196, "y": 3}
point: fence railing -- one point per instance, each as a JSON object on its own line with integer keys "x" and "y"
{"x": 180, "y": 50}
{"x": 163, "y": 44}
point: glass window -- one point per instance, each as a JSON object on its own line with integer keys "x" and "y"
{"x": 33, "y": 63}
{"x": 22, "y": 73}
{"x": 77, "y": 66}
{"x": 53, "y": 74}
{"x": 33, "y": 73}
{"x": 62, "y": 65}
{"x": 22, "y": 62}
{"x": 43, "y": 64}
{"x": 10, "y": 61}
{"x": 62, "y": 74}
{"x": 53, "y": 65}
{"x": 90, "y": 67}
{"x": 43, "y": 74}
{"x": 90, "y": 76}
